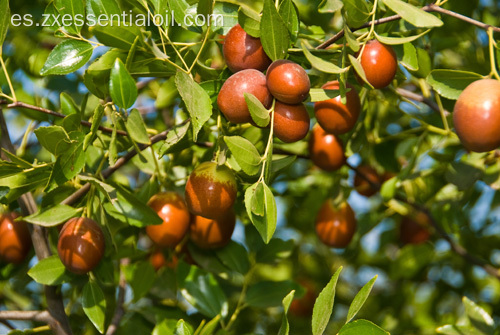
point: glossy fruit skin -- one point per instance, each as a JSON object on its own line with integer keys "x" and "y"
{"x": 291, "y": 122}
{"x": 173, "y": 210}
{"x": 414, "y": 230}
{"x": 362, "y": 186}
{"x": 380, "y": 63}
{"x": 210, "y": 190}
{"x": 242, "y": 51}
{"x": 288, "y": 82}
{"x": 335, "y": 227}
{"x": 325, "y": 150}
{"x": 335, "y": 117}
{"x": 15, "y": 240}
{"x": 231, "y": 99}
{"x": 212, "y": 233}
{"x": 158, "y": 260}
{"x": 81, "y": 245}
{"x": 476, "y": 116}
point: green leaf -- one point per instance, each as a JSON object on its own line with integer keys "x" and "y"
{"x": 69, "y": 163}
{"x": 266, "y": 294}
{"x": 276, "y": 250}
{"x": 321, "y": 64}
{"x": 174, "y": 136}
{"x": 324, "y": 305}
{"x": 228, "y": 13}
{"x": 399, "y": 40}
{"x": 182, "y": 328}
{"x": 136, "y": 127}
{"x": 198, "y": 103}
{"x": 274, "y": 32}
{"x": 235, "y": 257}
{"x": 458, "y": 330}
{"x": 388, "y": 189}
{"x": 478, "y": 317}
{"x": 356, "y": 12}
{"x": 330, "y": 6}
{"x": 360, "y": 299}
{"x": 68, "y": 105}
{"x": 53, "y": 216}
{"x": 73, "y": 9}
{"x": 100, "y": 7}
{"x": 94, "y": 305}
{"x": 463, "y": 175}
{"x": 53, "y": 138}
{"x": 140, "y": 276}
{"x": 249, "y": 20}
{"x": 205, "y": 7}
{"x": 450, "y": 83}
{"x": 67, "y": 57}
{"x": 24, "y": 181}
{"x": 412, "y": 259}
{"x": 4, "y": 21}
{"x": 258, "y": 207}
{"x": 412, "y": 14}
{"x": 116, "y": 35}
{"x": 49, "y": 271}
{"x": 351, "y": 39}
{"x": 265, "y": 225}
{"x": 290, "y": 16}
{"x": 319, "y": 94}
{"x": 362, "y": 327}
{"x": 359, "y": 69}
{"x": 245, "y": 154}
{"x": 122, "y": 86}
{"x": 410, "y": 60}
{"x": 259, "y": 113}
{"x": 285, "y": 327}
{"x": 211, "y": 326}
{"x": 180, "y": 9}
{"x": 96, "y": 122}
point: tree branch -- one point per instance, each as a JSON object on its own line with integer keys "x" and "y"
{"x": 120, "y": 311}
{"x": 38, "y": 316}
{"x": 19, "y": 104}
{"x": 429, "y": 8}
{"x": 419, "y": 98}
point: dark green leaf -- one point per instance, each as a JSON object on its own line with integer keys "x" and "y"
{"x": 68, "y": 56}
{"x": 290, "y": 16}
{"x": 245, "y": 154}
{"x": 53, "y": 138}
{"x": 463, "y": 175}
{"x": 450, "y": 83}
{"x": 235, "y": 257}
{"x": 49, "y": 271}
{"x": 276, "y": 250}
{"x": 96, "y": 122}
{"x": 122, "y": 86}
{"x": 73, "y": 9}
{"x": 321, "y": 64}
{"x": 351, "y": 39}
{"x": 324, "y": 305}
{"x": 197, "y": 101}
{"x": 274, "y": 32}
{"x": 68, "y": 105}
{"x": 269, "y": 293}
{"x": 359, "y": 299}
{"x": 180, "y": 9}
{"x": 330, "y": 6}
{"x": 259, "y": 113}
{"x": 205, "y": 7}
{"x": 141, "y": 277}
{"x": 94, "y": 305}
{"x": 357, "y": 12}
{"x": 106, "y": 7}
{"x": 53, "y": 216}
{"x": 362, "y": 327}
{"x": 136, "y": 127}
{"x": 265, "y": 225}
{"x": 412, "y": 14}
{"x": 116, "y": 35}
{"x": 249, "y": 20}
{"x": 4, "y": 21}
{"x": 228, "y": 14}
{"x": 174, "y": 136}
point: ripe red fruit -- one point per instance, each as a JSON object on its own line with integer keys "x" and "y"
{"x": 210, "y": 190}
{"x": 212, "y": 233}
{"x": 173, "y": 210}
{"x": 325, "y": 150}
{"x": 242, "y": 51}
{"x": 231, "y": 99}
{"x": 335, "y": 117}
{"x": 291, "y": 122}
{"x": 414, "y": 230}
{"x": 15, "y": 240}
{"x": 81, "y": 245}
{"x": 288, "y": 81}
{"x": 362, "y": 186}
{"x": 380, "y": 63}
{"x": 304, "y": 306}
{"x": 477, "y": 116}
{"x": 335, "y": 227}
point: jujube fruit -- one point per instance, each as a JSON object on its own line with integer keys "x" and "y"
{"x": 231, "y": 99}
{"x": 335, "y": 227}
{"x": 335, "y": 117}
{"x": 212, "y": 233}
{"x": 303, "y": 307}
{"x": 325, "y": 150}
{"x": 414, "y": 230}
{"x": 288, "y": 81}
{"x": 81, "y": 245}
{"x": 172, "y": 209}
{"x": 380, "y": 63}
{"x": 477, "y": 116}
{"x": 242, "y": 51}
{"x": 15, "y": 240}
{"x": 362, "y": 185}
{"x": 291, "y": 122}
{"x": 210, "y": 190}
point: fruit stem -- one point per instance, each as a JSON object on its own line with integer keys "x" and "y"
{"x": 241, "y": 301}
{"x": 201, "y": 49}
{"x": 269, "y": 144}
{"x": 157, "y": 168}
{"x": 492, "y": 43}
{"x": 441, "y": 111}
{"x": 11, "y": 87}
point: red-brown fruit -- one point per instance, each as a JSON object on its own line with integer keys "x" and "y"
{"x": 362, "y": 186}
{"x": 210, "y": 190}
{"x": 15, "y": 240}
{"x": 231, "y": 99}
{"x": 414, "y": 230}
{"x": 288, "y": 81}
{"x": 173, "y": 210}
{"x": 158, "y": 260}
{"x": 325, "y": 150}
{"x": 242, "y": 51}
{"x": 291, "y": 122}
{"x": 81, "y": 245}
{"x": 477, "y": 116}
{"x": 212, "y": 233}
{"x": 304, "y": 306}
{"x": 335, "y": 117}
{"x": 380, "y": 63}
{"x": 335, "y": 227}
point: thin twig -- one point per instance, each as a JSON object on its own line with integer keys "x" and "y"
{"x": 39, "y": 316}
{"x": 120, "y": 311}
{"x": 419, "y": 98}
